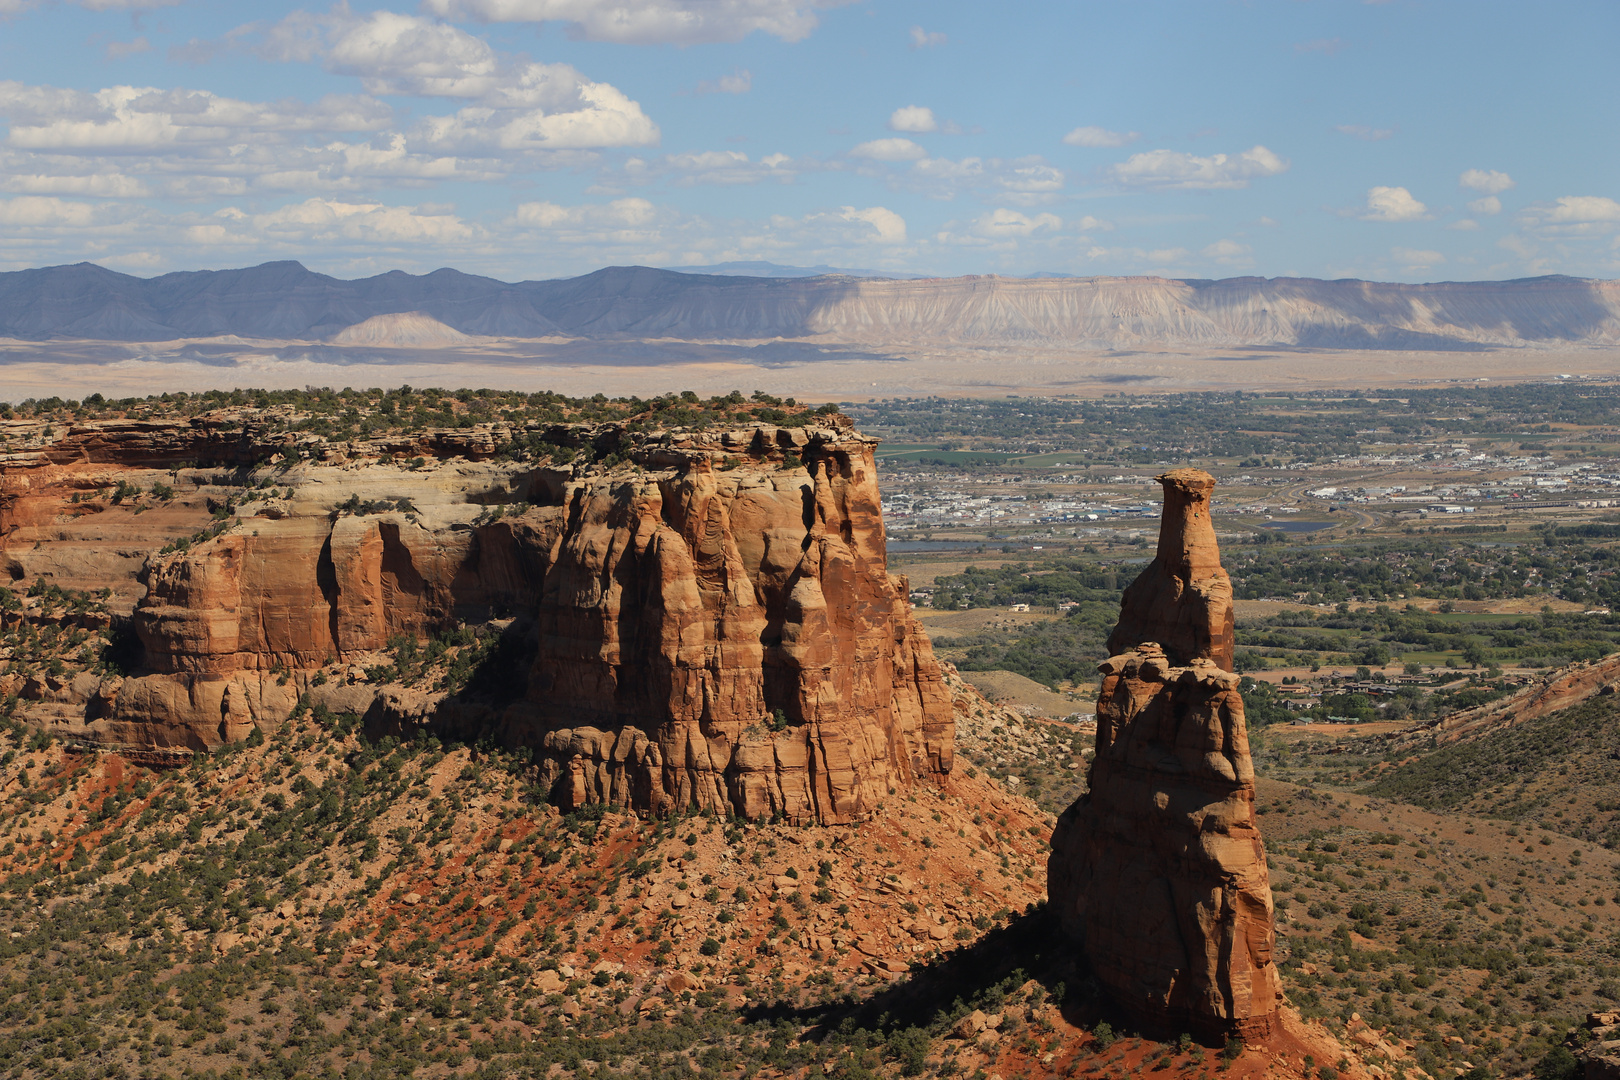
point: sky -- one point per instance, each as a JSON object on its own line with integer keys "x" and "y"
{"x": 1394, "y": 140}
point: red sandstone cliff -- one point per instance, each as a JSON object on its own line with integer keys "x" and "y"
{"x": 1159, "y": 870}
{"x": 710, "y": 622}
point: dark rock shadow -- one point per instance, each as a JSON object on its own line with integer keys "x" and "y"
{"x": 986, "y": 974}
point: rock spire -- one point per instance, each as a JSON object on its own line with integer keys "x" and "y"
{"x": 1183, "y": 600}
{"x": 1159, "y": 870}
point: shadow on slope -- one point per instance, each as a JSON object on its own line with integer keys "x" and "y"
{"x": 1560, "y": 771}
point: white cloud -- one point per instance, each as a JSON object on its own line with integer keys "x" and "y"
{"x": 1364, "y": 132}
{"x": 1487, "y": 206}
{"x": 1575, "y": 210}
{"x": 1229, "y": 252}
{"x": 102, "y": 185}
{"x": 1415, "y": 259}
{"x": 1031, "y": 176}
{"x": 926, "y": 39}
{"x": 650, "y": 22}
{"x": 517, "y": 104}
{"x": 887, "y": 226}
{"x": 913, "y": 118}
{"x": 724, "y": 167}
{"x": 740, "y": 81}
{"x": 1464, "y": 225}
{"x": 618, "y": 214}
{"x": 1025, "y": 181}
{"x": 327, "y": 219}
{"x": 1486, "y": 180}
{"x": 1176, "y": 170}
{"x": 35, "y": 211}
{"x": 1010, "y": 224}
{"x": 889, "y": 150}
{"x": 1093, "y": 136}
{"x": 1392, "y": 204}
{"x": 128, "y": 119}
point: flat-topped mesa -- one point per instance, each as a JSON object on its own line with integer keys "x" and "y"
{"x": 1159, "y": 870}
{"x": 1183, "y": 599}
{"x": 687, "y": 617}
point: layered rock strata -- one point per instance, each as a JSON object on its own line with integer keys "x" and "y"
{"x": 708, "y": 622}
{"x": 1159, "y": 870}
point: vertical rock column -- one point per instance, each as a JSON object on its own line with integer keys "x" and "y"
{"x": 1159, "y": 871}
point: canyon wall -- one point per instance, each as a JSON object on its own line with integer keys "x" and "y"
{"x": 1159, "y": 870}
{"x": 705, "y": 619}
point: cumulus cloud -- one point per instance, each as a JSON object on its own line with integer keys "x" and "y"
{"x": 618, "y": 214}
{"x": 1092, "y": 136}
{"x": 1464, "y": 225}
{"x": 329, "y": 220}
{"x": 130, "y": 141}
{"x": 713, "y": 167}
{"x": 1487, "y": 206}
{"x": 1228, "y": 252}
{"x": 110, "y": 185}
{"x": 740, "y": 81}
{"x": 926, "y": 39}
{"x": 650, "y": 22}
{"x": 129, "y": 119}
{"x": 913, "y": 118}
{"x": 1392, "y": 204}
{"x": 34, "y": 211}
{"x": 889, "y": 150}
{"x": 515, "y": 104}
{"x": 1010, "y": 224}
{"x": 1364, "y": 132}
{"x": 1025, "y": 181}
{"x": 872, "y": 225}
{"x": 1172, "y": 169}
{"x": 1486, "y": 180}
{"x": 1574, "y": 216}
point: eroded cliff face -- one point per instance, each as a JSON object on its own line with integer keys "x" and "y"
{"x": 1159, "y": 871}
{"x": 709, "y": 621}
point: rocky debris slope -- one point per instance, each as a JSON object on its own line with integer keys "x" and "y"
{"x": 1159, "y": 870}
{"x": 670, "y": 619}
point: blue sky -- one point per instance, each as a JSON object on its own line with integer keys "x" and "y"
{"x": 1405, "y": 140}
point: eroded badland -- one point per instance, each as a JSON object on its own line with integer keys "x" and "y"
{"x": 491, "y": 734}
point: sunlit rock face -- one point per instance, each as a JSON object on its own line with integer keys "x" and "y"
{"x": 699, "y": 619}
{"x": 1159, "y": 871}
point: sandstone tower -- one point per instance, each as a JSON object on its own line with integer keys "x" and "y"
{"x": 1159, "y": 870}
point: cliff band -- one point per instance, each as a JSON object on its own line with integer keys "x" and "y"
{"x": 1159, "y": 870}
{"x": 679, "y": 618}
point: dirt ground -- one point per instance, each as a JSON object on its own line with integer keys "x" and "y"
{"x": 1010, "y": 688}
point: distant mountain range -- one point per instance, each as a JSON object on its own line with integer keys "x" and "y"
{"x": 285, "y": 301}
